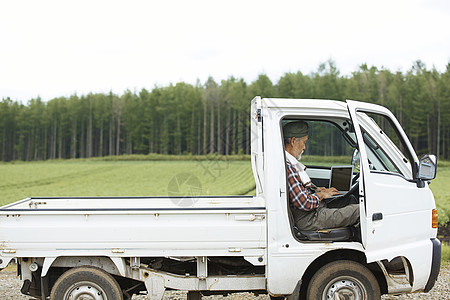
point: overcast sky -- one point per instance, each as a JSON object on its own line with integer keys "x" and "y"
{"x": 58, "y": 48}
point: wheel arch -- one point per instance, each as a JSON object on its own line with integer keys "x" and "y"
{"x": 112, "y": 265}
{"x": 341, "y": 254}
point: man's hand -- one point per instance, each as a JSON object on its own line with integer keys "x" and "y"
{"x": 325, "y": 193}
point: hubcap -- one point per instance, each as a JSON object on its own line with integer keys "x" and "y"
{"x": 345, "y": 288}
{"x": 85, "y": 290}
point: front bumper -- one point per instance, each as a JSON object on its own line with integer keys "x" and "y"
{"x": 435, "y": 264}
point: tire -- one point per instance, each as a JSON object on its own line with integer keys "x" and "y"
{"x": 86, "y": 283}
{"x": 343, "y": 280}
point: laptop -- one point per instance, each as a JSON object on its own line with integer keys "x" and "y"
{"x": 341, "y": 178}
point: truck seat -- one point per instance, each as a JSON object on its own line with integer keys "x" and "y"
{"x": 344, "y": 234}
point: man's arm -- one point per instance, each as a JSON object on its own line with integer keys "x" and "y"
{"x": 300, "y": 197}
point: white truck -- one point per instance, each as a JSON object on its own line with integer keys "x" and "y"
{"x": 111, "y": 248}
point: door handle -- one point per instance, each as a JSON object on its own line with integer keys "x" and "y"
{"x": 377, "y": 217}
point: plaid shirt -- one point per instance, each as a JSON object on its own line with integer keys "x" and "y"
{"x": 300, "y": 197}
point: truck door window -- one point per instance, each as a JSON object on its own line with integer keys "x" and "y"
{"x": 327, "y": 143}
{"x": 385, "y": 149}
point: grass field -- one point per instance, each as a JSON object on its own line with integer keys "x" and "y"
{"x": 123, "y": 178}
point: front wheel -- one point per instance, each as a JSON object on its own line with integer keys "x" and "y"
{"x": 86, "y": 283}
{"x": 343, "y": 280}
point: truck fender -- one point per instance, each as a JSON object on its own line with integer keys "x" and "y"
{"x": 120, "y": 264}
{"x": 113, "y": 265}
{"x": 296, "y": 294}
{"x": 4, "y": 262}
{"x": 48, "y": 261}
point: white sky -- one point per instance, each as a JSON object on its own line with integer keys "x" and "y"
{"x": 58, "y": 48}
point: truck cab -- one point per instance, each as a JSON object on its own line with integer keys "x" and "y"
{"x": 396, "y": 231}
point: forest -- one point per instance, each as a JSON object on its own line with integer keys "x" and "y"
{"x": 213, "y": 117}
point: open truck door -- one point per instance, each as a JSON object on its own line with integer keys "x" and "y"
{"x": 396, "y": 205}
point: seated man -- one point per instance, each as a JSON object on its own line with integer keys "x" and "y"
{"x": 305, "y": 199}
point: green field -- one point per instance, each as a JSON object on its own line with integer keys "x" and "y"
{"x": 138, "y": 176}
{"x": 124, "y": 178}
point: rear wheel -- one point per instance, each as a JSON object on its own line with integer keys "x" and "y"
{"x": 343, "y": 280}
{"x": 86, "y": 283}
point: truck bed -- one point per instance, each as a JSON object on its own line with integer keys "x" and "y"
{"x": 134, "y": 226}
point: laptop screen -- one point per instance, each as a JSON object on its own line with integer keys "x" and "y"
{"x": 341, "y": 177}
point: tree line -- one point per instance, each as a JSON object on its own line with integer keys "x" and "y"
{"x": 214, "y": 117}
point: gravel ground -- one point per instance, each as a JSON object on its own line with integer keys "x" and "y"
{"x": 10, "y": 290}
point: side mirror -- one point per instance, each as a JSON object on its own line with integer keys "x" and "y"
{"x": 427, "y": 167}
